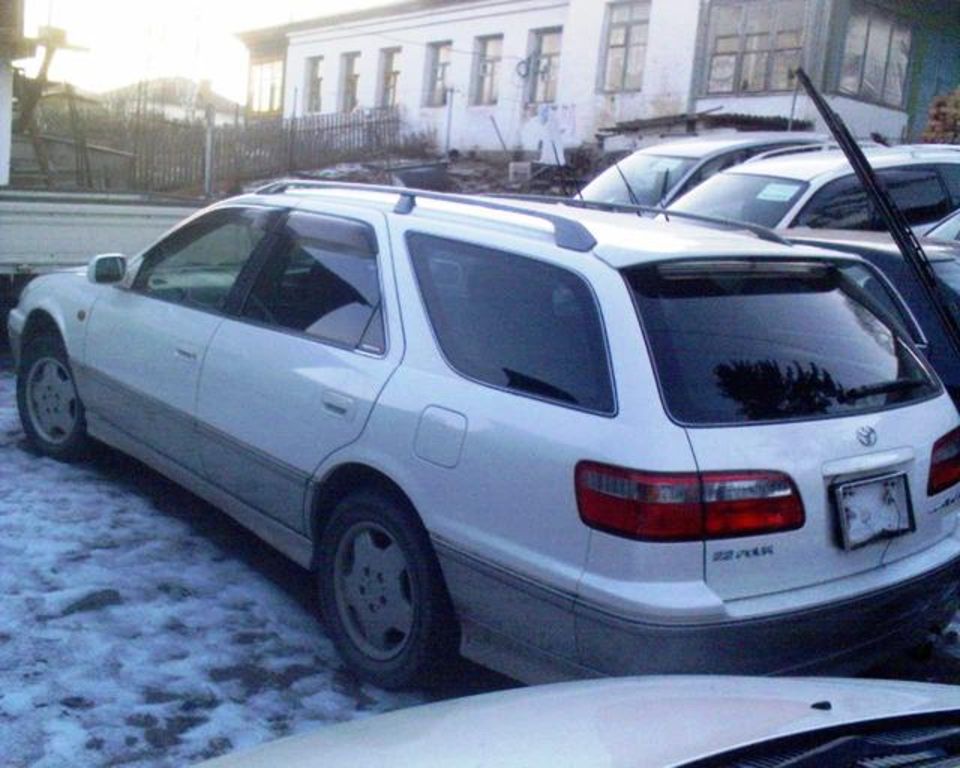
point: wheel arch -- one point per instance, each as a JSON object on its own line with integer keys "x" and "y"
{"x": 41, "y": 321}
{"x": 338, "y": 483}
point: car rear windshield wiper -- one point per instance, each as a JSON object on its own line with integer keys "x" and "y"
{"x": 881, "y": 388}
{"x": 524, "y": 383}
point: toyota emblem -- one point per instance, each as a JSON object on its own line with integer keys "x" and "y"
{"x": 867, "y": 436}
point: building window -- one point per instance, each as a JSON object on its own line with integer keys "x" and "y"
{"x": 486, "y": 87}
{"x": 626, "y": 46}
{"x": 350, "y": 82}
{"x": 314, "y": 87}
{"x": 754, "y": 45}
{"x": 544, "y": 66}
{"x": 876, "y": 57}
{"x": 389, "y": 76}
{"x": 266, "y": 86}
{"x": 439, "y": 56}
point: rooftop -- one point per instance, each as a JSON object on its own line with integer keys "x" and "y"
{"x": 703, "y": 146}
{"x": 399, "y": 8}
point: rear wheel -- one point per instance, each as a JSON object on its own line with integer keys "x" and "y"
{"x": 50, "y": 408}
{"x": 382, "y": 593}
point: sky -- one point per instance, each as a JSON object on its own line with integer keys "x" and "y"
{"x": 129, "y": 40}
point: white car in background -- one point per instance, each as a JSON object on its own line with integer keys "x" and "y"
{"x": 567, "y": 442}
{"x": 646, "y": 723}
{"x": 820, "y": 189}
{"x": 659, "y": 174}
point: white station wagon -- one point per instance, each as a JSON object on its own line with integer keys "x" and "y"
{"x": 566, "y": 442}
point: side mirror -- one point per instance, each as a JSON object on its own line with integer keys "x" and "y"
{"x": 107, "y": 268}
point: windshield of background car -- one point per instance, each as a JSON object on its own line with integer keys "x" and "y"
{"x": 650, "y": 177}
{"x": 740, "y": 341}
{"x": 947, "y": 230}
{"x": 761, "y": 200}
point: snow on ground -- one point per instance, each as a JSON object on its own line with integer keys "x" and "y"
{"x": 139, "y": 626}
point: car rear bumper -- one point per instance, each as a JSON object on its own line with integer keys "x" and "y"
{"x": 841, "y": 637}
{"x": 536, "y": 634}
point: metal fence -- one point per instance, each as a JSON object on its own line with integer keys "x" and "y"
{"x": 170, "y": 156}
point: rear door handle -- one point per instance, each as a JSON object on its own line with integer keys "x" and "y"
{"x": 186, "y": 354}
{"x": 338, "y": 404}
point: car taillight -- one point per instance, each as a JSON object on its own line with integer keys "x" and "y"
{"x": 944, "y": 463}
{"x": 650, "y": 506}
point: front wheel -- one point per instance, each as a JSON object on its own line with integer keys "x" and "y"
{"x": 50, "y": 409}
{"x": 382, "y": 594}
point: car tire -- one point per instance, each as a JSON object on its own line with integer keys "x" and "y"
{"x": 382, "y": 594}
{"x": 51, "y": 411}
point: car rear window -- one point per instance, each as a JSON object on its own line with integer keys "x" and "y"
{"x": 763, "y": 200}
{"x": 743, "y": 341}
{"x": 514, "y": 322}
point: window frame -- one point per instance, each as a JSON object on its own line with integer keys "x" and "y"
{"x": 438, "y": 73}
{"x": 388, "y": 82}
{"x": 269, "y": 73}
{"x": 313, "y": 104}
{"x": 157, "y": 253}
{"x": 262, "y": 258}
{"x": 482, "y": 60}
{"x": 576, "y": 274}
{"x": 349, "y": 81}
{"x": 535, "y": 65}
{"x": 628, "y": 26}
{"x": 771, "y": 51}
{"x": 873, "y": 13}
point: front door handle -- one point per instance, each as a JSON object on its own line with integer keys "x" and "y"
{"x": 338, "y": 404}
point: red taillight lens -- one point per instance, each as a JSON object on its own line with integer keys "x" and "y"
{"x": 652, "y": 506}
{"x": 944, "y": 463}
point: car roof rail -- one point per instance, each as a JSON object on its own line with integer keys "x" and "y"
{"x": 568, "y": 233}
{"x": 760, "y": 231}
{"x": 798, "y": 149}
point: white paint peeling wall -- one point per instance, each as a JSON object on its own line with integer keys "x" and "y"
{"x": 667, "y": 72}
{"x": 6, "y": 119}
{"x": 470, "y": 126}
{"x": 581, "y": 106}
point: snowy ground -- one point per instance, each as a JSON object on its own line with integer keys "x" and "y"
{"x": 141, "y": 627}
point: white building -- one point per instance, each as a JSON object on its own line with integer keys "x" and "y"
{"x": 12, "y": 46}
{"x": 468, "y": 70}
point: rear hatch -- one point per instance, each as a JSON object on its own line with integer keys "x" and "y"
{"x": 788, "y": 367}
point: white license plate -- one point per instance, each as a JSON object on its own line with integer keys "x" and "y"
{"x": 873, "y": 509}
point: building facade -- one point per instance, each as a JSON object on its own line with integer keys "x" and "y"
{"x": 12, "y": 46}
{"x": 522, "y": 74}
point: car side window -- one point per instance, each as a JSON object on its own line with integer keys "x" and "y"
{"x": 322, "y": 280}
{"x": 198, "y": 265}
{"x": 514, "y": 322}
{"x": 919, "y": 193}
{"x": 840, "y": 204}
{"x": 951, "y": 177}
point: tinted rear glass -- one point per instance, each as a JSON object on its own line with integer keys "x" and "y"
{"x": 746, "y": 341}
{"x": 761, "y": 200}
{"x": 514, "y": 322}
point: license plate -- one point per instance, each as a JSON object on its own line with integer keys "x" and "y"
{"x": 873, "y": 509}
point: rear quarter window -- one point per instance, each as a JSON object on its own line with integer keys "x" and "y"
{"x": 514, "y": 322}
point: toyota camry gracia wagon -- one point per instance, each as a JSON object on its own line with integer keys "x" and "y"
{"x": 561, "y": 441}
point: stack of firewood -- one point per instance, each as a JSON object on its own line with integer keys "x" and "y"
{"x": 943, "y": 124}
